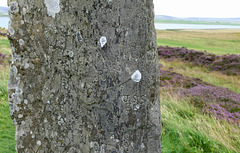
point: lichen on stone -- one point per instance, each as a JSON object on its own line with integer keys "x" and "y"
{"x": 79, "y": 37}
{"x": 13, "y": 7}
{"x": 70, "y": 54}
{"x": 52, "y": 7}
{"x": 11, "y": 30}
{"x": 21, "y": 42}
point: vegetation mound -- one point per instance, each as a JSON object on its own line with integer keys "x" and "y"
{"x": 4, "y": 59}
{"x": 218, "y": 101}
{"x": 3, "y": 32}
{"x": 227, "y": 64}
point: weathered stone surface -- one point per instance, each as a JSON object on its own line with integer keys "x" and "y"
{"x": 70, "y": 88}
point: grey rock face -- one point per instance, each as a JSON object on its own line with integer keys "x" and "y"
{"x": 70, "y": 88}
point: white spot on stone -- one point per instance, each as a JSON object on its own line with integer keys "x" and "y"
{"x": 11, "y": 30}
{"x": 21, "y": 42}
{"x": 79, "y": 37}
{"x": 103, "y": 41}
{"x": 82, "y": 85}
{"x": 126, "y": 34}
{"x": 137, "y": 107}
{"x": 102, "y": 148}
{"x": 31, "y": 132}
{"x": 18, "y": 91}
{"x": 136, "y": 76}
{"x": 142, "y": 146}
{"x": 20, "y": 31}
{"x": 48, "y": 102}
{"x": 52, "y": 7}
{"x": 45, "y": 120}
{"x": 13, "y": 49}
{"x": 19, "y": 133}
{"x": 26, "y": 66}
{"x": 51, "y": 96}
{"x": 71, "y": 54}
{"x": 25, "y": 101}
{"x": 61, "y": 121}
{"x": 16, "y": 99}
{"x": 24, "y": 11}
{"x": 39, "y": 143}
{"x": 16, "y": 58}
{"x": 20, "y": 115}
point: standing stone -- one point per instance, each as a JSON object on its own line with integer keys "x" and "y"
{"x": 84, "y": 76}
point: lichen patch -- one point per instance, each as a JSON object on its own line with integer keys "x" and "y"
{"x": 13, "y": 7}
{"x": 52, "y": 7}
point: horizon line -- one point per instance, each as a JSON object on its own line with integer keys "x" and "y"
{"x": 197, "y": 16}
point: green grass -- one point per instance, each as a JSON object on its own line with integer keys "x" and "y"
{"x": 215, "y": 78}
{"x": 4, "y": 46}
{"x": 4, "y": 43}
{"x": 185, "y": 129}
{"x": 7, "y": 129}
{"x": 220, "y": 41}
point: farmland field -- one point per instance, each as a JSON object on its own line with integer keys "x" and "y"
{"x": 217, "y": 41}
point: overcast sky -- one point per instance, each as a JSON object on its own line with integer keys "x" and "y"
{"x": 198, "y": 8}
{"x": 192, "y": 8}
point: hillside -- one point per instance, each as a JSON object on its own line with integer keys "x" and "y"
{"x": 195, "y": 20}
{"x": 3, "y": 11}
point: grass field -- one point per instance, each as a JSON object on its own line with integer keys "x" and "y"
{"x": 221, "y": 41}
{"x": 4, "y": 46}
{"x": 7, "y": 129}
{"x": 186, "y": 130}
{"x": 213, "y": 77}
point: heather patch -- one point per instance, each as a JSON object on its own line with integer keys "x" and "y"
{"x": 5, "y": 59}
{"x": 218, "y": 101}
{"x": 177, "y": 80}
{"x": 227, "y": 64}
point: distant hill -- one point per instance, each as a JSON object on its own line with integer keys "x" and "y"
{"x": 3, "y": 11}
{"x": 195, "y": 20}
